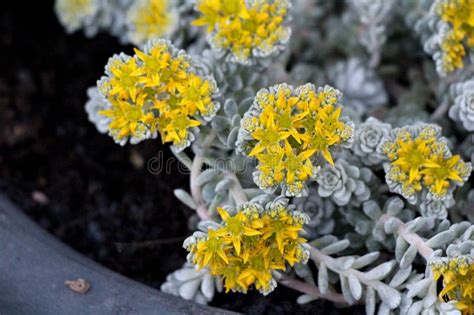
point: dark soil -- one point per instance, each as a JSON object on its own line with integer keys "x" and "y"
{"x": 92, "y": 194}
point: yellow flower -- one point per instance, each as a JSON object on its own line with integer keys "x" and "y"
{"x": 74, "y": 14}
{"x": 250, "y": 244}
{"x": 150, "y": 19}
{"x": 174, "y": 127}
{"x": 453, "y": 52}
{"x": 124, "y": 79}
{"x": 211, "y": 251}
{"x": 156, "y": 90}
{"x": 459, "y": 14}
{"x": 285, "y": 130}
{"x": 129, "y": 119}
{"x": 458, "y": 281}
{"x": 244, "y": 27}
{"x": 196, "y": 96}
{"x": 443, "y": 170}
{"x": 236, "y": 227}
{"x": 420, "y": 158}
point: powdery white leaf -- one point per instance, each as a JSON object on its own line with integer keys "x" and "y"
{"x": 365, "y": 260}
{"x": 400, "y": 247}
{"x": 206, "y": 176}
{"x": 336, "y": 247}
{"x": 185, "y": 274}
{"x": 346, "y": 291}
{"x": 432, "y": 297}
{"x": 189, "y": 289}
{"x": 207, "y": 224}
{"x": 232, "y": 138}
{"x": 418, "y": 288}
{"x": 200, "y": 298}
{"x": 324, "y": 241}
{"x": 236, "y": 121}
{"x": 384, "y": 309}
{"x": 394, "y": 206}
{"x": 355, "y": 286}
{"x": 220, "y": 124}
{"x": 381, "y": 271}
{"x": 408, "y": 257}
{"x": 305, "y": 298}
{"x": 185, "y": 198}
{"x": 388, "y": 295}
{"x": 302, "y": 270}
{"x": 441, "y": 239}
{"x": 323, "y": 278}
{"x": 421, "y": 223}
{"x": 400, "y": 277}
{"x": 370, "y": 301}
{"x": 372, "y": 209}
{"x": 207, "y": 286}
{"x": 343, "y": 263}
{"x": 391, "y": 225}
{"x": 230, "y": 108}
{"x": 378, "y": 233}
{"x": 415, "y": 308}
{"x": 224, "y": 185}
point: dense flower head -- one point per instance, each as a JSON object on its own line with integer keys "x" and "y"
{"x": 458, "y": 281}
{"x": 156, "y": 90}
{"x": 459, "y": 14}
{"x": 151, "y": 19}
{"x": 74, "y": 14}
{"x": 245, "y": 28}
{"x": 286, "y": 129}
{"x": 419, "y": 158}
{"x": 250, "y": 243}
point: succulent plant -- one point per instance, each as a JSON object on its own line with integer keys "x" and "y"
{"x": 344, "y": 183}
{"x": 191, "y": 284}
{"x": 368, "y": 136}
{"x": 363, "y": 199}
{"x": 363, "y": 90}
{"x": 463, "y": 109}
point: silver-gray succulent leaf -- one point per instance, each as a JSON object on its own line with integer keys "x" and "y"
{"x": 463, "y": 109}
{"x": 94, "y": 105}
{"x": 344, "y": 183}
{"x": 320, "y": 211}
{"x": 373, "y": 15}
{"x": 363, "y": 90}
{"x": 368, "y": 136}
{"x": 191, "y": 284}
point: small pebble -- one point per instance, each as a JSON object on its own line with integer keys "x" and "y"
{"x": 39, "y": 197}
{"x": 79, "y": 285}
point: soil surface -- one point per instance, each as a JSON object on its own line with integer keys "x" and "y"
{"x": 88, "y": 191}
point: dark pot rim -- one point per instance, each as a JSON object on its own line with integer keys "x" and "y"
{"x": 34, "y": 266}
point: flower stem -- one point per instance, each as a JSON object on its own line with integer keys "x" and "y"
{"x": 236, "y": 190}
{"x": 196, "y": 168}
{"x": 440, "y": 111}
{"x": 411, "y": 237}
{"x": 307, "y": 288}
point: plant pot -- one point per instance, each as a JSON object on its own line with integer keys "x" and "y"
{"x": 34, "y": 267}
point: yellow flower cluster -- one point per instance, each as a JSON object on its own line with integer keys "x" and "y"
{"x": 420, "y": 158}
{"x": 286, "y": 128}
{"x": 460, "y": 16}
{"x": 74, "y": 13}
{"x": 157, "y": 90}
{"x": 249, "y": 244}
{"x": 458, "y": 281}
{"x": 151, "y": 19}
{"x": 245, "y": 28}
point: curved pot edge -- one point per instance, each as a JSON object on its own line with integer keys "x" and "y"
{"x": 34, "y": 266}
